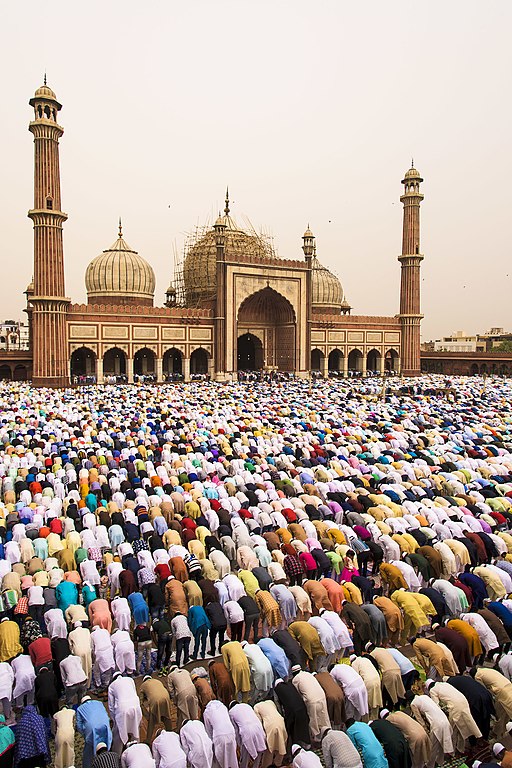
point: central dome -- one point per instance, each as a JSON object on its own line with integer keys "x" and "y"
{"x": 199, "y": 266}
{"x": 120, "y": 276}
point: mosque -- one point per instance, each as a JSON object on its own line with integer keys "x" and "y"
{"x": 234, "y": 304}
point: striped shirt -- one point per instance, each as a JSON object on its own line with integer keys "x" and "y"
{"x": 106, "y": 759}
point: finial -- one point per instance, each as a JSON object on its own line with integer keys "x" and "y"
{"x": 226, "y": 209}
{"x": 412, "y": 162}
{"x": 120, "y": 234}
{"x": 45, "y": 78}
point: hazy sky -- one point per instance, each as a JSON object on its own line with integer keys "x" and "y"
{"x": 310, "y": 111}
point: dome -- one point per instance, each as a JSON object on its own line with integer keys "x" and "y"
{"x": 326, "y": 289}
{"x": 120, "y": 276}
{"x": 44, "y": 92}
{"x": 412, "y": 174}
{"x": 199, "y": 266}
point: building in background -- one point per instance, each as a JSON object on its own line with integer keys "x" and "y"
{"x": 463, "y": 354}
{"x": 14, "y": 334}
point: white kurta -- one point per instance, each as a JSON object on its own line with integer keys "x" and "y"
{"x": 505, "y": 665}
{"x": 328, "y": 639}
{"x": 221, "y": 731}
{"x": 55, "y": 623}
{"x": 249, "y": 730}
{"x": 353, "y": 687}
{"x": 24, "y": 675}
{"x": 448, "y": 559}
{"x": 339, "y": 628}
{"x": 124, "y": 708}
{"x": 167, "y": 751}
{"x": 261, "y": 669}
{"x": 485, "y": 633}
{"x": 450, "y": 594}
{"x": 409, "y": 574}
{"x": 6, "y": 681}
{"x": 430, "y": 714}
{"x": 137, "y": 756}
{"x": 124, "y": 651}
{"x": 121, "y": 612}
{"x": 196, "y": 744}
{"x": 102, "y": 649}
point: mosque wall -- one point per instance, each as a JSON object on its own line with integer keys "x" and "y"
{"x": 153, "y": 333}
{"x": 356, "y": 343}
{"x": 467, "y": 363}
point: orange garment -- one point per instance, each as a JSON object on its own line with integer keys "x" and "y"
{"x": 469, "y": 634}
{"x": 335, "y": 593}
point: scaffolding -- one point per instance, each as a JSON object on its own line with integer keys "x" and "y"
{"x": 195, "y": 276}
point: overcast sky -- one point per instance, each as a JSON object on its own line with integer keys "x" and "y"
{"x": 309, "y": 110}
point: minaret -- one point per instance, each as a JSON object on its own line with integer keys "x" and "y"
{"x": 48, "y": 302}
{"x": 220, "y": 359}
{"x": 410, "y": 315}
{"x": 308, "y": 248}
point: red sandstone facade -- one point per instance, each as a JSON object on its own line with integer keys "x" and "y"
{"x": 266, "y": 312}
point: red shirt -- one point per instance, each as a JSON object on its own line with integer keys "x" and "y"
{"x": 56, "y": 525}
{"x": 40, "y": 651}
{"x": 289, "y": 515}
{"x": 163, "y": 571}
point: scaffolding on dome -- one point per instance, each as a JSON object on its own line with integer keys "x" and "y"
{"x": 195, "y": 278}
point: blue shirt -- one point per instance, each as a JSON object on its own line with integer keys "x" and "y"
{"x": 402, "y": 661}
{"x": 93, "y": 723}
{"x": 277, "y": 657}
{"x": 367, "y": 744}
{"x": 139, "y": 608}
{"x": 197, "y": 618}
{"x": 501, "y": 611}
{"x": 67, "y": 594}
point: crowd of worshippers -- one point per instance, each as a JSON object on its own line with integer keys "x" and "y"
{"x": 234, "y": 577}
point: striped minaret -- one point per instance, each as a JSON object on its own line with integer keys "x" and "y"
{"x": 48, "y": 302}
{"x": 410, "y": 315}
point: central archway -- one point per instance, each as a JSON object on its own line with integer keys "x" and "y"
{"x": 249, "y": 353}
{"x": 270, "y": 318}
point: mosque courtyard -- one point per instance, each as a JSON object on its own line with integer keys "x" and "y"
{"x": 262, "y": 470}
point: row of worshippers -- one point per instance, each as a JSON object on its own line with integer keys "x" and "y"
{"x": 328, "y": 709}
